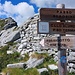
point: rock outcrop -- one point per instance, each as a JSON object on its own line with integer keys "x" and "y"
{"x": 30, "y": 37}
{"x": 33, "y": 62}
{"x": 9, "y": 32}
{"x": 9, "y": 23}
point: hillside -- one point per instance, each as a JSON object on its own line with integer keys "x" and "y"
{"x": 2, "y": 23}
{"x": 9, "y": 31}
{"x": 22, "y": 45}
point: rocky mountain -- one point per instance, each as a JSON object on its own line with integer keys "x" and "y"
{"x": 30, "y": 40}
{"x": 9, "y": 31}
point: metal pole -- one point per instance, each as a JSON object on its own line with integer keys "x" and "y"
{"x": 62, "y": 63}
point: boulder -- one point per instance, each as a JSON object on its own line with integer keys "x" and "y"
{"x": 72, "y": 70}
{"x": 72, "y": 54}
{"x": 71, "y": 65}
{"x": 33, "y": 62}
{"x": 53, "y": 67}
{"x": 9, "y": 35}
{"x": 22, "y": 46}
{"x": 71, "y": 59}
{"x": 42, "y": 69}
{"x": 9, "y": 23}
{"x": 56, "y": 58}
{"x": 10, "y": 52}
{"x": 12, "y": 37}
{"x": 16, "y": 65}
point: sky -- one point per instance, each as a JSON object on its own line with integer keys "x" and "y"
{"x": 21, "y": 10}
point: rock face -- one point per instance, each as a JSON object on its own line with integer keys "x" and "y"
{"x": 30, "y": 37}
{"x": 9, "y": 32}
{"x": 9, "y": 23}
{"x": 9, "y": 36}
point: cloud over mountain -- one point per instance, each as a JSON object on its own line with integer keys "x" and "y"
{"x": 19, "y": 12}
{"x": 23, "y": 10}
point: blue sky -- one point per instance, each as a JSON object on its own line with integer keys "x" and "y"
{"x": 15, "y": 2}
{"x": 20, "y": 10}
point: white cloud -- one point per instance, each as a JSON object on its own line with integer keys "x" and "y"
{"x": 19, "y": 12}
{"x": 23, "y": 10}
{"x": 51, "y": 3}
{"x": 44, "y": 3}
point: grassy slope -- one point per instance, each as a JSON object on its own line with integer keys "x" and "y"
{"x": 2, "y": 23}
{"x": 16, "y": 71}
{"x": 33, "y": 71}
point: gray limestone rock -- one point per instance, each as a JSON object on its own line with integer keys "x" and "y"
{"x": 9, "y": 23}
{"x": 33, "y": 62}
{"x": 72, "y": 54}
{"x": 42, "y": 69}
{"x": 9, "y": 35}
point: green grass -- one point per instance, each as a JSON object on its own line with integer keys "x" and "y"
{"x": 25, "y": 58}
{"x": 73, "y": 73}
{"x": 39, "y": 55}
{"x": 3, "y": 50}
{"x": 11, "y": 43}
{"x": 47, "y": 61}
{"x": 2, "y": 23}
{"x": 19, "y": 71}
{"x": 33, "y": 71}
{"x": 10, "y": 58}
